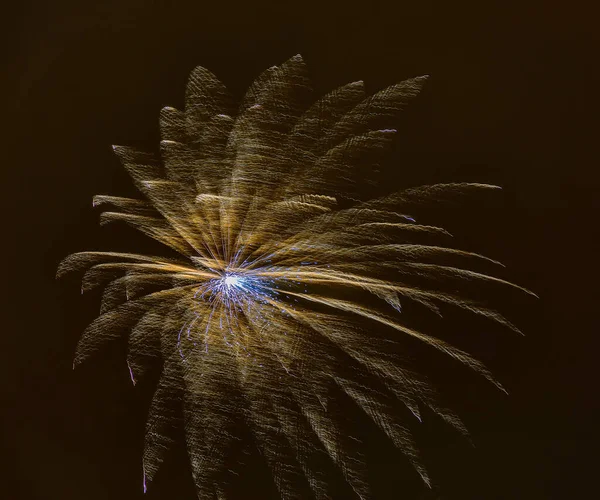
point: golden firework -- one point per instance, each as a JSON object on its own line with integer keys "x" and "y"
{"x": 279, "y": 285}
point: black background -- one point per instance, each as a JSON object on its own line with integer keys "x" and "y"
{"x": 510, "y": 101}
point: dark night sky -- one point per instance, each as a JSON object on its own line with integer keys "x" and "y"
{"x": 509, "y": 102}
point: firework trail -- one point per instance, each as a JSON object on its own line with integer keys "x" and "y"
{"x": 280, "y": 294}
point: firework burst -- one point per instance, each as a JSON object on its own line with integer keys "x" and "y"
{"x": 289, "y": 282}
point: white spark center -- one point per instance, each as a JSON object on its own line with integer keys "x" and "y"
{"x": 232, "y": 280}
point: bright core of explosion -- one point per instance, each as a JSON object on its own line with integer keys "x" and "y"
{"x": 232, "y": 281}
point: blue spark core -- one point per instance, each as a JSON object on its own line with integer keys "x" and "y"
{"x": 235, "y": 289}
{"x": 232, "y": 285}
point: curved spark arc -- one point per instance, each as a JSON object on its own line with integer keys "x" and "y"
{"x": 277, "y": 287}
